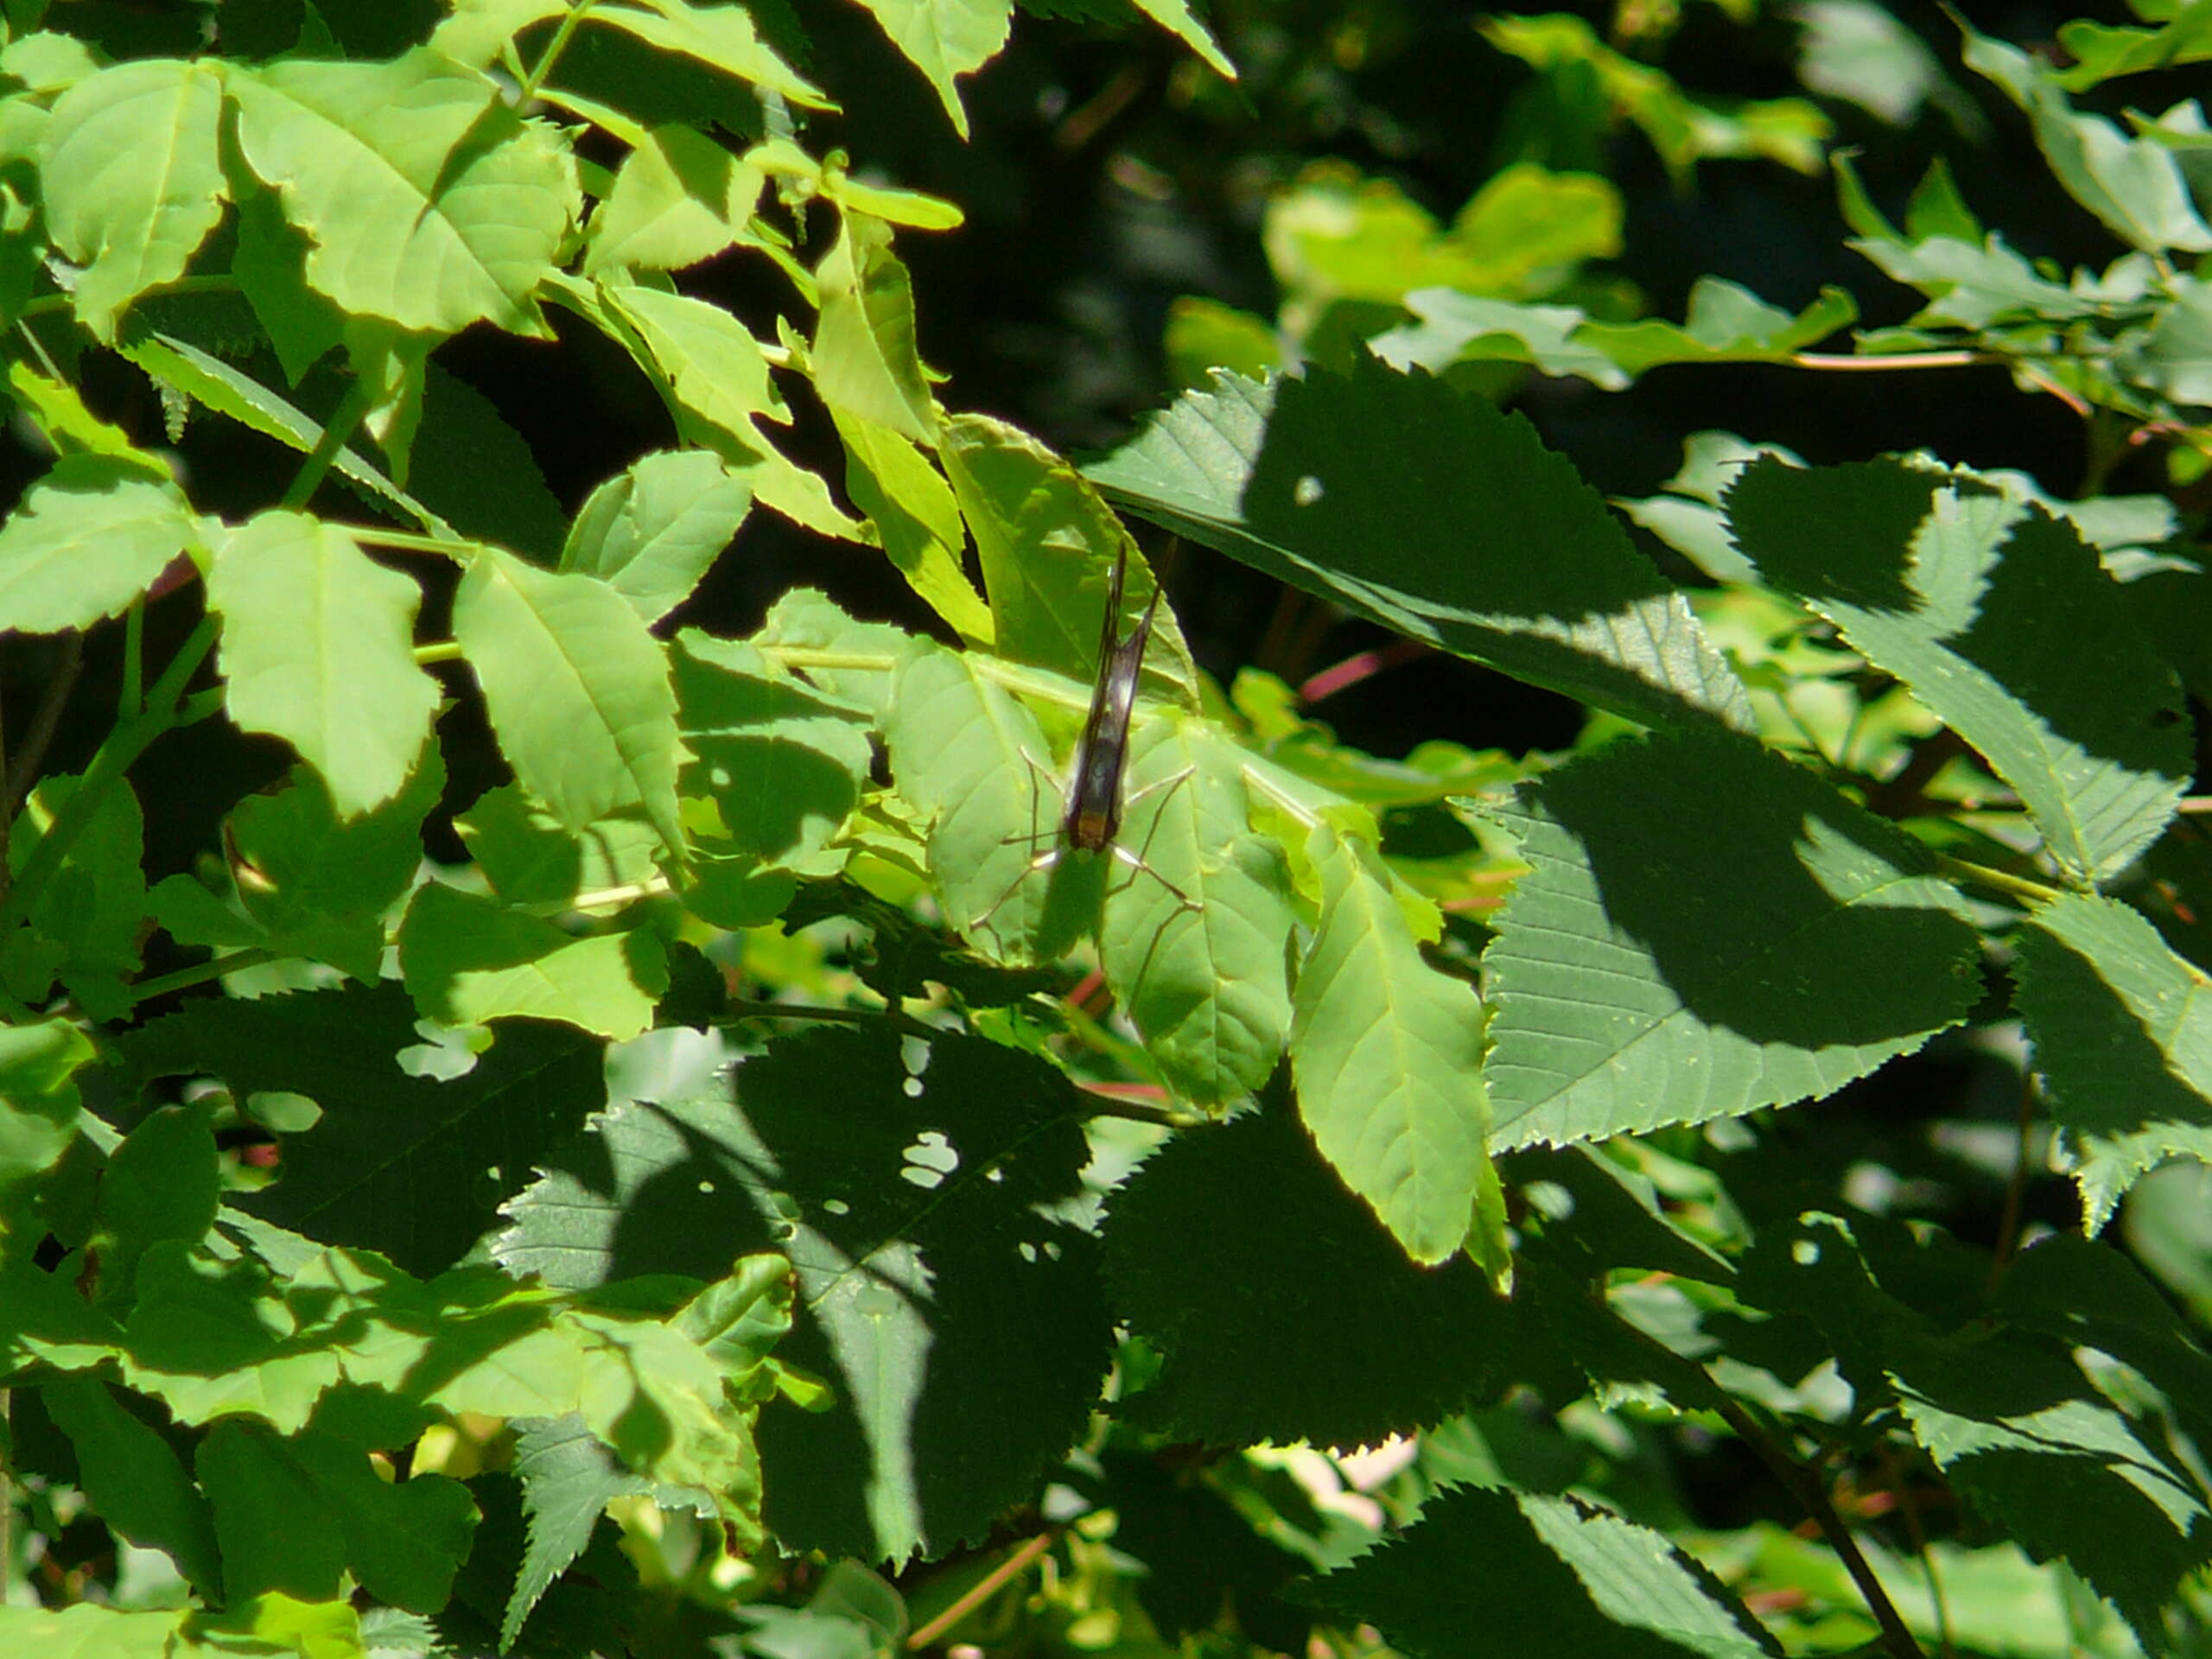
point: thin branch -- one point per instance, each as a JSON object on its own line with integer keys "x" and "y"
{"x": 2008, "y": 1225}
{"x": 124, "y": 745}
{"x": 23, "y": 768}
{"x": 1915, "y": 1529}
{"x": 1360, "y": 666}
{"x": 983, "y": 1589}
{"x": 1893, "y": 360}
{"x": 1810, "y": 1492}
{"x": 1801, "y": 1486}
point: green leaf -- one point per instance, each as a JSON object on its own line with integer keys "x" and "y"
{"x": 1505, "y": 555}
{"x": 470, "y": 960}
{"x": 207, "y": 1338}
{"x": 2122, "y": 1029}
{"x": 1197, "y": 945}
{"x": 1202, "y": 335}
{"x": 1199, "y": 1553}
{"x": 722, "y": 36}
{"x": 1584, "y": 1582}
{"x": 961, "y": 749}
{"x": 209, "y": 380}
{"x": 710, "y": 361}
{"x": 328, "y": 1630}
{"x": 1683, "y": 129}
{"x": 86, "y": 540}
{"x": 469, "y": 462}
{"x": 318, "y": 647}
{"x": 1175, "y": 16}
{"x": 1950, "y": 587}
{"x": 1047, "y": 544}
{"x": 568, "y": 1477}
{"x": 91, "y": 913}
{"x": 2008, "y": 1426}
{"x": 659, "y": 1400}
{"x": 1707, "y": 929}
{"x": 2077, "y": 1290}
{"x": 960, "y": 1326}
{"x": 38, "y": 1101}
{"x": 133, "y": 178}
{"x": 712, "y": 371}
{"x": 1855, "y": 49}
{"x": 161, "y": 1184}
{"x": 408, "y": 1166}
{"x": 56, "y": 411}
{"x": 1347, "y": 247}
{"x": 1227, "y": 1237}
{"x": 134, "y": 1480}
{"x": 914, "y": 517}
{"x": 678, "y": 198}
{"x": 2011, "y": 1416}
{"x": 1687, "y": 514}
{"x": 319, "y": 885}
{"x": 270, "y": 267}
{"x": 2099, "y": 52}
{"x": 2136, "y": 186}
{"x": 43, "y": 1319}
{"x": 427, "y": 201}
{"x": 402, "y": 1540}
{"x": 1386, "y": 1052}
{"x": 864, "y": 358}
{"x": 806, "y": 619}
{"x": 946, "y": 39}
{"x": 782, "y": 764}
{"x": 2176, "y": 355}
{"x": 653, "y": 531}
{"x": 1724, "y": 323}
{"x": 88, "y": 1631}
{"x": 530, "y": 860}
{"x": 577, "y": 690}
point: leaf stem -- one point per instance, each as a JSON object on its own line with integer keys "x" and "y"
{"x": 407, "y": 541}
{"x": 569, "y": 22}
{"x": 1141, "y": 1111}
{"x": 2018, "y": 887}
{"x": 124, "y": 745}
{"x": 438, "y": 650}
{"x": 185, "y": 978}
{"x": 807, "y": 657}
{"x": 745, "y": 1008}
{"x": 133, "y": 700}
{"x": 348, "y": 416}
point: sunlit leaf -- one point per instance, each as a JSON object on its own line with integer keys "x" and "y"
{"x": 134, "y": 179}
{"x": 318, "y": 643}
{"x": 578, "y": 690}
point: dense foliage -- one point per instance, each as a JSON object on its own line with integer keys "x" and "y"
{"x": 542, "y": 1112}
